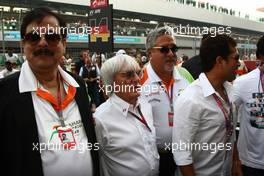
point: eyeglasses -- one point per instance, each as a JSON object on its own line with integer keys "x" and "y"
{"x": 132, "y": 73}
{"x": 166, "y": 49}
{"x": 34, "y": 37}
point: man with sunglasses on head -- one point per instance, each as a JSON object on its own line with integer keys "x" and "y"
{"x": 162, "y": 82}
{"x": 249, "y": 98}
{"x": 124, "y": 123}
{"x": 204, "y": 122}
{"x": 41, "y": 103}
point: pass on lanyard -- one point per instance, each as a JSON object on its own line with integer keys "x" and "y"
{"x": 228, "y": 119}
{"x": 141, "y": 119}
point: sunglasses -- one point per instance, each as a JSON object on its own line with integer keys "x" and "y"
{"x": 131, "y": 74}
{"x": 52, "y": 39}
{"x": 166, "y": 49}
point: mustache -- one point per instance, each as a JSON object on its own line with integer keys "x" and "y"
{"x": 43, "y": 51}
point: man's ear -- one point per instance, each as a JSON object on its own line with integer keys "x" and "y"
{"x": 219, "y": 60}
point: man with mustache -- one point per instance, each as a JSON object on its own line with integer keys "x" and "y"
{"x": 204, "y": 122}
{"x": 162, "y": 83}
{"x": 42, "y": 103}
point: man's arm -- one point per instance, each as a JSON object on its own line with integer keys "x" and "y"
{"x": 236, "y": 167}
{"x": 185, "y": 126}
{"x": 187, "y": 170}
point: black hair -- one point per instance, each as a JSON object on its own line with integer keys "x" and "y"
{"x": 260, "y": 47}
{"x": 212, "y": 47}
{"x": 37, "y": 15}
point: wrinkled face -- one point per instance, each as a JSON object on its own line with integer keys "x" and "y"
{"x": 163, "y": 55}
{"x": 127, "y": 84}
{"x": 231, "y": 65}
{"x": 44, "y": 52}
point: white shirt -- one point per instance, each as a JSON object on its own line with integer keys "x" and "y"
{"x": 251, "y": 134}
{"x": 57, "y": 162}
{"x": 157, "y": 97}
{"x": 198, "y": 120}
{"x": 12, "y": 59}
{"x": 4, "y": 73}
{"x": 127, "y": 147}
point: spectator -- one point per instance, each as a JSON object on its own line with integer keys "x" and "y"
{"x": 80, "y": 63}
{"x": 91, "y": 75}
{"x": 193, "y": 65}
{"x": 8, "y": 70}
{"x": 11, "y": 57}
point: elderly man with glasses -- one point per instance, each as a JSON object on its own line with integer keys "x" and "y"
{"x": 42, "y": 103}
{"x": 162, "y": 83}
{"x": 124, "y": 123}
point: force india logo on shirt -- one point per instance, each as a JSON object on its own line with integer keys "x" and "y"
{"x": 256, "y": 110}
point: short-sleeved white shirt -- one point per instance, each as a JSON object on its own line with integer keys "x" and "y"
{"x": 157, "y": 97}
{"x": 251, "y": 134}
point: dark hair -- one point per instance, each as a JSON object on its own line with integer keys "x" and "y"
{"x": 212, "y": 47}
{"x": 260, "y": 47}
{"x": 37, "y": 15}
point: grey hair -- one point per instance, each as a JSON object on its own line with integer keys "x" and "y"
{"x": 155, "y": 33}
{"x": 115, "y": 65}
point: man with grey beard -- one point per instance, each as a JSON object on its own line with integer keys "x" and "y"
{"x": 162, "y": 82}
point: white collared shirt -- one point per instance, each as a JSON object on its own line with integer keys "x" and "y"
{"x": 157, "y": 97}
{"x": 199, "y": 121}
{"x": 55, "y": 160}
{"x": 251, "y": 135}
{"x": 127, "y": 147}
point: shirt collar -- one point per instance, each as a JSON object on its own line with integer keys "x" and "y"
{"x": 28, "y": 82}
{"x": 207, "y": 87}
{"x": 121, "y": 105}
{"x": 155, "y": 78}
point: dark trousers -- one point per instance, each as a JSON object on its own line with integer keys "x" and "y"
{"x": 93, "y": 91}
{"x": 167, "y": 165}
{"x": 249, "y": 171}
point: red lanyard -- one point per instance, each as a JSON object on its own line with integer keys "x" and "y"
{"x": 58, "y": 105}
{"x": 59, "y": 97}
{"x": 228, "y": 118}
{"x": 141, "y": 119}
{"x": 261, "y": 80}
{"x": 170, "y": 97}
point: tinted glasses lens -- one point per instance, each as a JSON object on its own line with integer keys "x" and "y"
{"x": 166, "y": 49}
{"x": 52, "y": 38}
{"x": 32, "y": 37}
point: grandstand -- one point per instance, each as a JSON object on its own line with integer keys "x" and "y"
{"x": 132, "y": 23}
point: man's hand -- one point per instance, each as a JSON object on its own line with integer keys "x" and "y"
{"x": 187, "y": 170}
